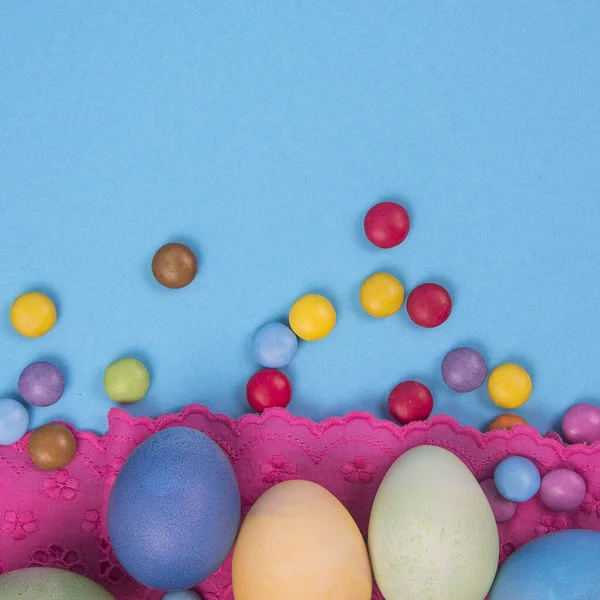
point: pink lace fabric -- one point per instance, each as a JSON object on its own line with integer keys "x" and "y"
{"x": 57, "y": 519}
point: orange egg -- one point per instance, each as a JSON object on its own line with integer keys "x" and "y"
{"x": 507, "y": 421}
{"x": 298, "y": 542}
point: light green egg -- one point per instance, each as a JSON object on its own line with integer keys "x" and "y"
{"x": 432, "y": 533}
{"x": 44, "y": 583}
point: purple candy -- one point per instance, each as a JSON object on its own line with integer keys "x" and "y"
{"x": 562, "y": 489}
{"x": 41, "y": 384}
{"x": 502, "y": 508}
{"x": 581, "y": 424}
{"x": 464, "y": 370}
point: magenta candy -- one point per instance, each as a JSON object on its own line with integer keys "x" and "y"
{"x": 581, "y": 424}
{"x": 464, "y": 370}
{"x": 562, "y": 489}
{"x": 502, "y": 508}
{"x": 41, "y": 384}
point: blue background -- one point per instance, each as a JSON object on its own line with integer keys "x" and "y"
{"x": 259, "y": 133}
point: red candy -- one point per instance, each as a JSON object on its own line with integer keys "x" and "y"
{"x": 410, "y": 401}
{"x": 267, "y": 388}
{"x": 429, "y": 305}
{"x": 387, "y": 224}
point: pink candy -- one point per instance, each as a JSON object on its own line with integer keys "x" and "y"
{"x": 581, "y": 424}
{"x": 502, "y": 508}
{"x": 562, "y": 489}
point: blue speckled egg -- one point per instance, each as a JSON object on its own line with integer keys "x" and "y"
{"x": 174, "y": 510}
{"x": 563, "y": 565}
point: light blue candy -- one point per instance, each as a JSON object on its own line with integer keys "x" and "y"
{"x": 14, "y": 420}
{"x": 557, "y": 566}
{"x": 517, "y": 479}
{"x": 185, "y": 595}
{"x": 274, "y": 345}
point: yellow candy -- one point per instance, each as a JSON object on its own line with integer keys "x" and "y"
{"x": 33, "y": 314}
{"x": 312, "y": 317}
{"x": 509, "y": 385}
{"x": 381, "y": 295}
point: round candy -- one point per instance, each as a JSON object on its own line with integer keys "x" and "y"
{"x": 126, "y": 380}
{"x": 502, "y": 508}
{"x": 429, "y": 305}
{"x": 509, "y": 385}
{"x": 381, "y": 295}
{"x": 562, "y": 489}
{"x": 506, "y": 422}
{"x": 274, "y": 345}
{"x": 312, "y": 317}
{"x": 33, "y": 314}
{"x": 52, "y": 447}
{"x": 410, "y": 401}
{"x": 14, "y": 421}
{"x": 581, "y": 424}
{"x": 464, "y": 370}
{"x": 174, "y": 266}
{"x": 517, "y": 479}
{"x": 183, "y": 595}
{"x": 268, "y": 388}
{"x": 174, "y": 510}
{"x": 387, "y": 224}
{"x": 41, "y": 384}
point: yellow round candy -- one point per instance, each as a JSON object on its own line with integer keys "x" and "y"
{"x": 509, "y": 385}
{"x": 312, "y": 317}
{"x": 381, "y": 295}
{"x": 33, "y": 314}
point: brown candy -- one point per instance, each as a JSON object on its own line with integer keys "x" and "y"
{"x": 174, "y": 266}
{"x": 52, "y": 447}
{"x": 507, "y": 421}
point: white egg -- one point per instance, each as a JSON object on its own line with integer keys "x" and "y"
{"x": 432, "y": 533}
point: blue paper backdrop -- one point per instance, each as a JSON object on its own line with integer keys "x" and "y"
{"x": 260, "y": 133}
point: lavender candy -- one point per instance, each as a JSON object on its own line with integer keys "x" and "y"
{"x": 464, "y": 370}
{"x": 41, "y": 384}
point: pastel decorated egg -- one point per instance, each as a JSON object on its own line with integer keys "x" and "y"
{"x": 562, "y": 565}
{"x": 37, "y": 583}
{"x": 432, "y": 533}
{"x": 299, "y": 542}
{"x": 174, "y": 510}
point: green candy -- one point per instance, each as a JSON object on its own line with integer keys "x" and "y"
{"x": 126, "y": 380}
{"x": 37, "y": 583}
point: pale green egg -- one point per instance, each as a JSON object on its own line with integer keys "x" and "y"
{"x": 44, "y": 583}
{"x": 432, "y": 533}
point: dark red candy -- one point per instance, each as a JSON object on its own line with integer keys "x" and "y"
{"x": 267, "y": 388}
{"x": 410, "y": 401}
{"x": 387, "y": 224}
{"x": 429, "y": 305}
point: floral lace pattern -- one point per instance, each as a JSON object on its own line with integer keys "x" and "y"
{"x": 58, "y": 518}
{"x": 57, "y": 557}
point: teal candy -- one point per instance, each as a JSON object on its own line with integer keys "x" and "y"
{"x": 563, "y": 565}
{"x": 44, "y": 583}
{"x": 185, "y": 595}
